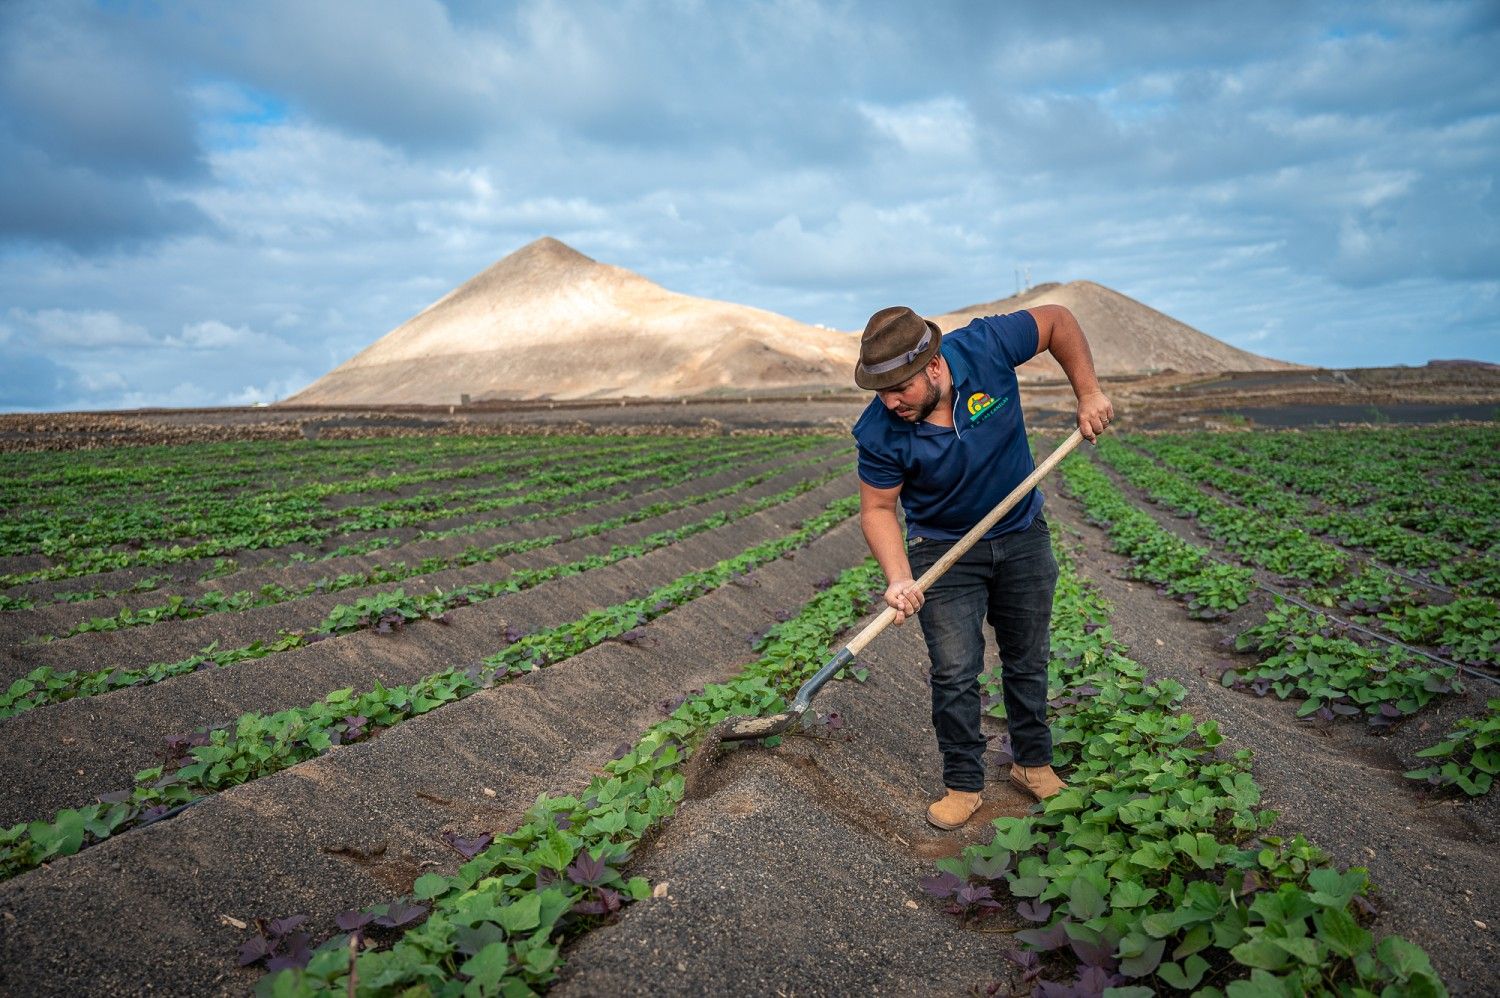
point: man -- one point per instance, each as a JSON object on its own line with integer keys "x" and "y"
{"x": 946, "y": 438}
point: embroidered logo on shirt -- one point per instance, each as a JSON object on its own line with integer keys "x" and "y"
{"x": 980, "y": 405}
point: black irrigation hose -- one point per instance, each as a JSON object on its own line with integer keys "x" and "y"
{"x": 1471, "y": 670}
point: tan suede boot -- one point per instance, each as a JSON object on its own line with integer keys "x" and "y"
{"x": 1038, "y": 781}
{"x": 953, "y": 810}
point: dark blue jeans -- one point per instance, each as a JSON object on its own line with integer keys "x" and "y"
{"x": 1008, "y": 581}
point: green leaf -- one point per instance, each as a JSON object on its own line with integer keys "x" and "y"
{"x": 522, "y": 915}
{"x": 1130, "y": 894}
{"x": 430, "y": 885}
{"x": 1084, "y": 899}
{"x": 1303, "y": 949}
{"x": 1261, "y": 954}
{"x": 1341, "y": 934}
{"x": 1183, "y": 977}
{"x": 488, "y": 966}
{"x": 555, "y": 852}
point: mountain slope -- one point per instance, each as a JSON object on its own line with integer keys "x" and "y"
{"x": 1126, "y": 337}
{"x": 548, "y": 322}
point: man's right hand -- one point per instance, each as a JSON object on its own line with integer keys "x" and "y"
{"x": 905, "y": 598}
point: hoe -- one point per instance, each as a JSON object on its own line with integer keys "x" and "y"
{"x": 741, "y": 728}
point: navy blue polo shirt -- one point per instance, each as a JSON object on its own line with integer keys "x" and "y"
{"x": 950, "y": 477}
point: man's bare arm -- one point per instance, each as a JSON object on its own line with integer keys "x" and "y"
{"x": 1057, "y": 330}
{"x": 882, "y": 529}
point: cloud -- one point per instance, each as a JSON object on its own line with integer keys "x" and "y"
{"x": 64, "y": 329}
{"x": 862, "y": 245}
{"x": 91, "y": 126}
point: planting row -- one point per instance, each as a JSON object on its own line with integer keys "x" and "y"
{"x": 272, "y": 594}
{"x": 258, "y": 531}
{"x": 1467, "y": 629}
{"x": 498, "y": 925}
{"x": 385, "y": 612}
{"x": 207, "y": 760}
{"x": 1381, "y": 526}
{"x": 227, "y": 525}
{"x": 1302, "y": 654}
{"x": 1154, "y": 870}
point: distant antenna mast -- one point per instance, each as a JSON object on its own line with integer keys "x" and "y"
{"x": 1018, "y": 279}
{"x": 1028, "y": 277}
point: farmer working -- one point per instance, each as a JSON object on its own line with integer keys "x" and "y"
{"x": 945, "y": 436}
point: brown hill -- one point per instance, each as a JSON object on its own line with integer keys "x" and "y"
{"x": 1126, "y": 337}
{"x": 548, "y": 322}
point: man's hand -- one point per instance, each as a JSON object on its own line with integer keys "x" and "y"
{"x": 905, "y": 597}
{"x": 1094, "y": 414}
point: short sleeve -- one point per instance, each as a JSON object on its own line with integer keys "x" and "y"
{"x": 879, "y": 470}
{"x": 1015, "y": 335}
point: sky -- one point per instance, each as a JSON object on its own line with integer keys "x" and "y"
{"x": 216, "y": 203}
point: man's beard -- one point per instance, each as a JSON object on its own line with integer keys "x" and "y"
{"x": 924, "y": 408}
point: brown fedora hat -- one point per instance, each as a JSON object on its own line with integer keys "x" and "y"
{"x": 897, "y": 344}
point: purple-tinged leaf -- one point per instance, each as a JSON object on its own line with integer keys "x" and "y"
{"x": 621, "y": 751}
{"x": 1390, "y": 710}
{"x": 1096, "y": 980}
{"x": 1344, "y": 709}
{"x": 1251, "y": 883}
{"x": 942, "y": 885}
{"x": 1261, "y": 687}
{"x": 1056, "y": 989}
{"x": 252, "y": 950}
{"x": 632, "y": 636}
{"x": 294, "y": 960}
{"x": 1046, "y": 940}
{"x": 513, "y": 634}
{"x": 154, "y": 813}
{"x": 588, "y": 871}
{"x": 1087, "y": 690}
{"x": 546, "y": 877}
{"x": 1363, "y": 904}
{"x": 283, "y": 926}
{"x": 116, "y": 797}
{"x": 1094, "y": 954}
{"x": 969, "y": 894}
{"x": 351, "y": 921}
{"x": 468, "y": 848}
{"x": 315, "y": 637}
{"x": 826, "y": 582}
{"x": 1034, "y": 911}
{"x": 1323, "y": 713}
{"x": 562, "y": 822}
{"x": 835, "y": 720}
{"x": 399, "y": 913}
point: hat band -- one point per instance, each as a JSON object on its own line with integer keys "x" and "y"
{"x": 899, "y": 361}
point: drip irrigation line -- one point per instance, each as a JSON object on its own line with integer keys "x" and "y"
{"x": 1460, "y": 667}
{"x": 1471, "y": 670}
{"x": 1467, "y": 669}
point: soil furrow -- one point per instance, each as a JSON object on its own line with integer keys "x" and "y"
{"x": 356, "y": 826}
{"x": 67, "y": 754}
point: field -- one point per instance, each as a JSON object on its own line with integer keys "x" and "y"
{"x": 341, "y": 714}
